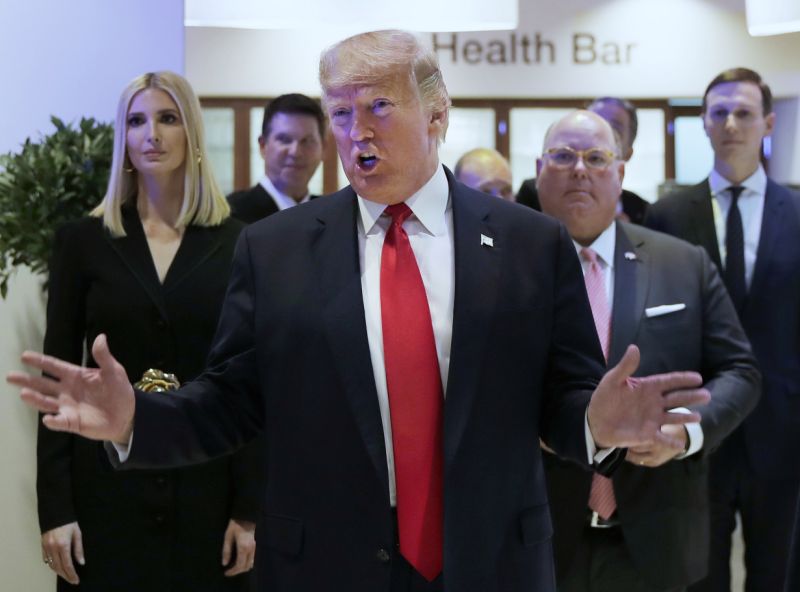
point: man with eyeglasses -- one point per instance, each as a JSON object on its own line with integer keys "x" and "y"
{"x": 646, "y": 528}
{"x": 750, "y": 227}
{"x": 621, "y": 115}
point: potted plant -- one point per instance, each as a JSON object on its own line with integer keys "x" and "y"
{"x": 58, "y": 179}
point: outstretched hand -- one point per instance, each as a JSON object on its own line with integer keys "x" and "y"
{"x": 97, "y": 403}
{"x": 628, "y": 412}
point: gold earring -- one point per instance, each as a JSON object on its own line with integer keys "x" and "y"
{"x": 199, "y": 156}
{"x": 127, "y": 166}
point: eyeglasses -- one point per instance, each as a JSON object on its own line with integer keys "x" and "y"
{"x": 593, "y": 158}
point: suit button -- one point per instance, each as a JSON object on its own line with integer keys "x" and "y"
{"x": 383, "y": 556}
{"x": 161, "y": 481}
{"x": 160, "y": 519}
{"x": 161, "y": 323}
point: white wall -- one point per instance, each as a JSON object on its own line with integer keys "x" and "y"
{"x": 785, "y": 164}
{"x": 676, "y": 47}
{"x": 69, "y": 59}
{"x": 73, "y": 58}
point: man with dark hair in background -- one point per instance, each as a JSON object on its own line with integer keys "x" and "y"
{"x": 621, "y": 115}
{"x": 291, "y": 144}
{"x": 749, "y": 225}
{"x": 646, "y": 529}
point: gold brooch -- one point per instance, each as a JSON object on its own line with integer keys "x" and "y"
{"x": 156, "y": 381}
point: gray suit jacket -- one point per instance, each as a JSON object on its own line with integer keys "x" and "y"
{"x": 664, "y": 511}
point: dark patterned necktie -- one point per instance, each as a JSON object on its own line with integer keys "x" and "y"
{"x": 734, "y": 248}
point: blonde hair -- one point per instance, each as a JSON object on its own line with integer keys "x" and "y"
{"x": 203, "y": 202}
{"x": 372, "y": 58}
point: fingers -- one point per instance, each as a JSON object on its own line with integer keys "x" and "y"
{"x": 67, "y": 569}
{"x": 38, "y": 401}
{"x": 687, "y": 398}
{"x": 227, "y": 545}
{"x": 61, "y": 423}
{"x": 245, "y": 556}
{"x": 626, "y": 366}
{"x": 77, "y": 546}
{"x": 239, "y": 536}
{"x": 42, "y": 384}
{"x": 57, "y": 546}
{"x": 48, "y": 364}
{"x": 101, "y": 353}
{"x": 673, "y": 381}
{"x": 637, "y": 458}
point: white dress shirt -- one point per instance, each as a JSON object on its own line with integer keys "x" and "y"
{"x": 430, "y": 232}
{"x": 605, "y": 246}
{"x": 751, "y": 208}
{"x": 281, "y": 200}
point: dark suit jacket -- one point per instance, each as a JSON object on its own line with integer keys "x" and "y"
{"x": 292, "y": 358}
{"x": 664, "y": 511}
{"x": 634, "y": 206}
{"x": 793, "y": 577}
{"x": 771, "y": 315}
{"x": 251, "y": 205}
{"x": 142, "y": 530}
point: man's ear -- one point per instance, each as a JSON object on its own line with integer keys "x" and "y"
{"x": 628, "y": 154}
{"x": 621, "y": 171}
{"x": 770, "y": 121}
{"x": 539, "y": 166}
{"x": 438, "y": 122}
{"x": 262, "y": 144}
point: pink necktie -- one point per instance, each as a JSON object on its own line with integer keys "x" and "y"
{"x": 415, "y": 399}
{"x": 601, "y": 496}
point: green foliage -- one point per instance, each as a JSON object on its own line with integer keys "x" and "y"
{"x": 58, "y": 179}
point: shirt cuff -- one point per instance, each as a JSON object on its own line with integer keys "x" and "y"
{"x": 694, "y": 432}
{"x": 123, "y": 451}
{"x": 594, "y": 455}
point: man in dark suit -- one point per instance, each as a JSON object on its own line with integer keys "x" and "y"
{"x": 403, "y": 344}
{"x": 667, "y": 297}
{"x": 754, "y": 243}
{"x": 621, "y": 115}
{"x": 290, "y": 143}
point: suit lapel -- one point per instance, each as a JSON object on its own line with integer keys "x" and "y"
{"x": 264, "y": 203}
{"x": 771, "y": 231}
{"x": 336, "y": 259}
{"x": 477, "y": 271}
{"x": 631, "y": 284}
{"x": 135, "y": 254}
{"x": 703, "y": 221}
{"x": 198, "y": 244}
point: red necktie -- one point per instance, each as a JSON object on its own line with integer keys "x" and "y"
{"x": 601, "y": 496}
{"x": 415, "y": 399}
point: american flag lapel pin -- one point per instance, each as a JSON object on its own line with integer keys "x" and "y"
{"x": 487, "y": 240}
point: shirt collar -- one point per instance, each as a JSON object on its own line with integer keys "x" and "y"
{"x": 429, "y": 205}
{"x": 281, "y": 199}
{"x": 604, "y": 245}
{"x": 757, "y": 182}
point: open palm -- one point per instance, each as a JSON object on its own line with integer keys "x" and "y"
{"x": 96, "y": 403}
{"x": 628, "y": 412}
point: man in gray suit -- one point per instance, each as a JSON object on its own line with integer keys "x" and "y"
{"x": 646, "y": 529}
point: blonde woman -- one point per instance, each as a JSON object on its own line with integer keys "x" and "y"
{"x": 148, "y": 268}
